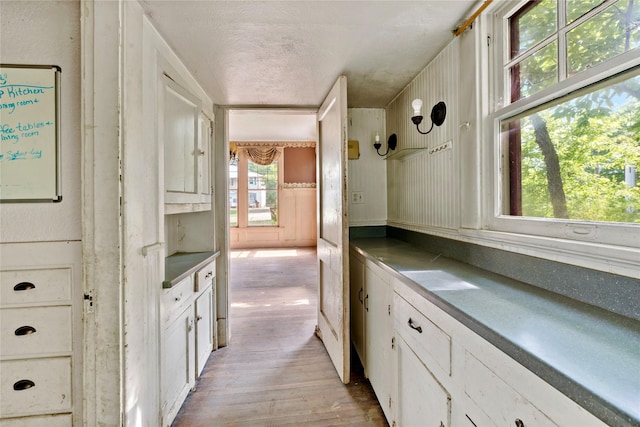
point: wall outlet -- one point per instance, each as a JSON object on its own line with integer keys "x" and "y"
{"x": 357, "y": 197}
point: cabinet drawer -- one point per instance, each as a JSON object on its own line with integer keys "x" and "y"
{"x": 34, "y": 331}
{"x": 501, "y": 403}
{"x": 35, "y": 286}
{"x": 204, "y": 276}
{"x": 174, "y": 298}
{"x": 64, "y": 420}
{"x": 429, "y": 342}
{"x": 35, "y": 386}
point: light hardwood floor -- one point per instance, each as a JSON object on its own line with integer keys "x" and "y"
{"x": 276, "y": 372}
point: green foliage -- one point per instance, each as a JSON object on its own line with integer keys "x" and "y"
{"x": 595, "y": 134}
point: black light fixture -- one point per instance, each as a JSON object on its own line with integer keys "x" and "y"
{"x": 392, "y": 143}
{"x": 438, "y": 113}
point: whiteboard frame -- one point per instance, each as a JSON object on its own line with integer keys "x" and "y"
{"x": 57, "y": 196}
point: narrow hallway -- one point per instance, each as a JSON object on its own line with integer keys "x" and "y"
{"x": 276, "y": 372}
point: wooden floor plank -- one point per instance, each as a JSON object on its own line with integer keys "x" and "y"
{"x": 276, "y": 372}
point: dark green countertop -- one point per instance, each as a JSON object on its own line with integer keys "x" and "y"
{"x": 182, "y": 264}
{"x": 589, "y": 354}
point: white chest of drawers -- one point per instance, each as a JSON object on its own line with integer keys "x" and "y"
{"x": 40, "y": 337}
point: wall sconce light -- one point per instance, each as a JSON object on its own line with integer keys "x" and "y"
{"x": 438, "y": 113}
{"x": 392, "y": 143}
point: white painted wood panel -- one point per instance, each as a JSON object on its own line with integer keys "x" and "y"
{"x": 35, "y": 286}
{"x": 50, "y": 391}
{"x": 368, "y": 174}
{"x": 424, "y": 190}
{"x": 64, "y": 420}
{"x": 35, "y": 331}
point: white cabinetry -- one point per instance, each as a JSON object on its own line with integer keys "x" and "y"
{"x": 422, "y": 401}
{"x": 188, "y": 336}
{"x": 423, "y": 357}
{"x": 439, "y": 372}
{"x": 40, "y": 306}
{"x": 379, "y": 334}
{"x": 186, "y": 136}
{"x": 178, "y": 347}
{"x": 372, "y": 326}
{"x": 448, "y": 374}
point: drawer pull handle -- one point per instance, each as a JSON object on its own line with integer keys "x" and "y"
{"x": 519, "y": 423}
{"x": 360, "y": 296}
{"x": 199, "y": 318}
{"x": 24, "y": 286}
{"x": 366, "y": 302}
{"x": 23, "y": 385}
{"x": 209, "y": 274}
{"x": 177, "y": 299}
{"x": 414, "y": 326}
{"x": 25, "y": 330}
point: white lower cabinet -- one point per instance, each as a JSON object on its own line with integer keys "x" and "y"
{"x": 178, "y": 362}
{"x": 379, "y": 335}
{"x": 438, "y": 372}
{"x": 204, "y": 328}
{"x": 188, "y": 337}
{"x": 422, "y": 401}
{"x": 41, "y": 334}
{"x": 372, "y": 326}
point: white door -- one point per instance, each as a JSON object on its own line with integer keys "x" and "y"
{"x": 333, "y": 237}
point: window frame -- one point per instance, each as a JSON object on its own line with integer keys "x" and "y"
{"x": 256, "y": 181}
{"x": 499, "y": 108}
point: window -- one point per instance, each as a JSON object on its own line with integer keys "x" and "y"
{"x": 233, "y": 193}
{"x": 262, "y": 194}
{"x": 570, "y": 130}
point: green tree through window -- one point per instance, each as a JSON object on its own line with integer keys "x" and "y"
{"x": 574, "y": 157}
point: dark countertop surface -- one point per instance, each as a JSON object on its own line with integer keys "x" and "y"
{"x": 181, "y": 264}
{"x": 587, "y": 353}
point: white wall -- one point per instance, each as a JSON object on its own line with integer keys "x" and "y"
{"x": 368, "y": 173}
{"x": 48, "y": 235}
{"x": 47, "y": 33}
{"x": 424, "y": 189}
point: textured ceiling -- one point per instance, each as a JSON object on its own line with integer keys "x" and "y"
{"x": 289, "y": 53}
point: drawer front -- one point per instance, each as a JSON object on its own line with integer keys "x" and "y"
{"x": 35, "y": 286}
{"x": 428, "y": 341}
{"x": 35, "y": 386}
{"x": 176, "y": 297}
{"x": 204, "y": 276}
{"x": 34, "y": 331}
{"x": 501, "y": 403}
{"x": 64, "y": 420}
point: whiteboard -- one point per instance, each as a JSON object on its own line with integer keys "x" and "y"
{"x": 29, "y": 133}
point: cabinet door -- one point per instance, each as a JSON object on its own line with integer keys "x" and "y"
{"x": 178, "y": 372}
{"x": 378, "y": 335}
{"x": 204, "y": 158}
{"x": 204, "y": 329}
{"x": 356, "y": 274}
{"x": 181, "y": 110}
{"x": 422, "y": 401}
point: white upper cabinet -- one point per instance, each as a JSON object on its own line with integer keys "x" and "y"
{"x": 187, "y": 134}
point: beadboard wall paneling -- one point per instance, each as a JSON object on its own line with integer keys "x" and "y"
{"x": 368, "y": 173}
{"x": 424, "y": 189}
